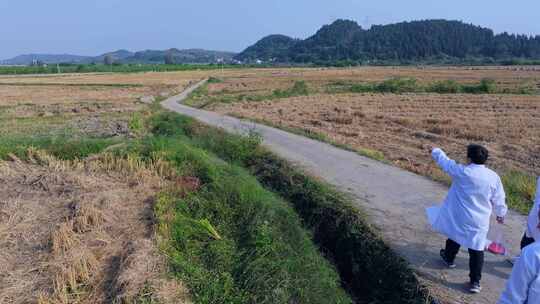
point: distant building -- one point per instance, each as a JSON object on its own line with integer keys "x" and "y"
{"x": 36, "y": 62}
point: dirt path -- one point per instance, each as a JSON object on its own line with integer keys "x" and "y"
{"x": 394, "y": 199}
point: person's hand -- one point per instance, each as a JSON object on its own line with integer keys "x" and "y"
{"x": 429, "y": 148}
{"x": 500, "y": 219}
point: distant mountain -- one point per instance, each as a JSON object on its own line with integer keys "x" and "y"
{"x": 198, "y": 56}
{"x": 45, "y": 58}
{"x": 273, "y": 47}
{"x": 180, "y": 56}
{"x": 117, "y": 56}
{"x": 405, "y": 41}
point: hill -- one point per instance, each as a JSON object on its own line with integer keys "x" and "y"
{"x": 199, "y": 56}
{"x": 45, "y": 58}
{"x": 438, "y": 40}
{"x": 269, "y": 48}
{"x": 119, "y": 55}
{"x": 180, "y": 56}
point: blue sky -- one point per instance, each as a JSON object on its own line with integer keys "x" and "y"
{"x": 95, "y": 26}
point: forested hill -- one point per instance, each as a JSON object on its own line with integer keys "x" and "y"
{"x": 407, "y": 41}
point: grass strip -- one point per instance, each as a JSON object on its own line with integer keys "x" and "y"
{"x": 232, "y": 241}
{"x": 399, "y": 85}
{"x": 228, "y": 239}
{"x": 201, "y": 98}
{"x": 370, "y": 271}
{"x": 59, "y": 146}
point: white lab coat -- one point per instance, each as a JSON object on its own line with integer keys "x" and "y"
{"x": 523, "y": 287}
{"x": 532, "y": 223}
{"x": 464, "y": 216}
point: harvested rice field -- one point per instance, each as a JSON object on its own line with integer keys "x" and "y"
{"x": 397, "y": 125}
{"x": 400, "y": 126}
{"x": 74, "y": 232}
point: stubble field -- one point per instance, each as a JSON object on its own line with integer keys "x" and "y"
{"x": 74, "y": 147}
{"x": 401, "y": 126}
{"x": 106, "y": 198}
{"x": 74, "y": 227}
{"x": 397, "y": 127}
{"x": 82, "y": 104}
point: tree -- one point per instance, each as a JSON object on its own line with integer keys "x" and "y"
{"x": 108, "y": 60}
{"x": 169, "y": 58}
{"x": 431, "y": 40}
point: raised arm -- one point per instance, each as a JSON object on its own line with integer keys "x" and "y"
{"x": 523, "y": 274}
{"x": 498, "y": 200}
{"x": 450, "y": 166}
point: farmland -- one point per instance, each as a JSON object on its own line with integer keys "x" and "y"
{"x": 107, "y": 198}
{"x": 62, "y": 241}
{"x": 397, "y": 127}
{"x": 215, "y": 216}
{"x": 94, "y": 104}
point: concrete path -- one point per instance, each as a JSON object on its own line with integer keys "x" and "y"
{"x": 394, "y": 199}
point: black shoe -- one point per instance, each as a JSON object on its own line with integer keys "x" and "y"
{"x": 449, "y": 264}
{"x": 475, "y": 288}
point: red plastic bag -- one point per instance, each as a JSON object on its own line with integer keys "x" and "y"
{"x": 498, "y": 246}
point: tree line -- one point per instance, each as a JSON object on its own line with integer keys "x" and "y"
{"x": 437, "y": 40}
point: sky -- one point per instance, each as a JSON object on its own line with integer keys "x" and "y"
{"x": 93, "y": 27}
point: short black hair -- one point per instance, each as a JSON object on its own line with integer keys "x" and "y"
{"x": 477, "y": 154}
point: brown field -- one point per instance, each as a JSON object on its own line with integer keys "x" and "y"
{"x": 259, "y": 81}
{"x": 81, "y": 231}
{"x": 92, "y": 104}
{"x": 53, "y": 94}
{"x": 146, "y": 79}
{"x": 74, "y": 232}
{"x": 401, "y": 126}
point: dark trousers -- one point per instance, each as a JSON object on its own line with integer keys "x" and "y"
{"x": 476, "y": 259}
{"x": 526, "y": 241}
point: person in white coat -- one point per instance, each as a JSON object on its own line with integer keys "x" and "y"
{"x": 532, "y": 233}
{"x": 523, "y": 287}
{"x": 464, "y": 217}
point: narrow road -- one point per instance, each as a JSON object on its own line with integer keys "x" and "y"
{"x": 394, "y": 199}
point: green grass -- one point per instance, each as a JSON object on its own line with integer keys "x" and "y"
{"x": 198, "y": 98}
{"x": 229, "y": 241}
{"x": 215, "y": 80}
{"x": 61, "y": 147}
{"x": 233, "y": 241}
{"x": 520, "y": 190}
{"x": 371, "y": 272}
{"x": 299, "y": 88}
{"x": 399, "y": 85}
{"x": 201, "y": 98}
